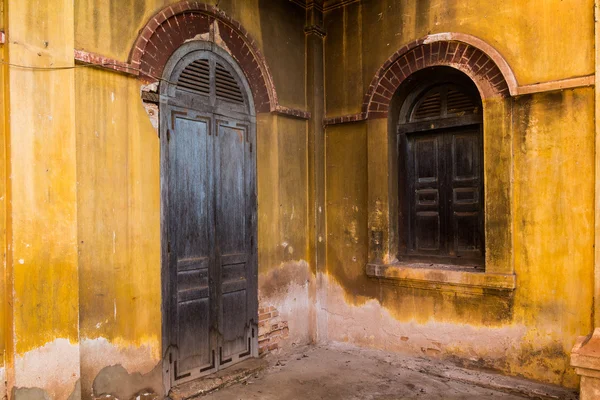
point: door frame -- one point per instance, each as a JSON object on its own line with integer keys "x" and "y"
{"x": 167, "y": 91}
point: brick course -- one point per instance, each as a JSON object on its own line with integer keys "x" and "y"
{"x": 177, "y": 23}
{"x": 271, "y": 329}
{"x": 416, "y": 56}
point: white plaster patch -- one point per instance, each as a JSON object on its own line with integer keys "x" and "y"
{"x": 438, "y": 37}
{"x": 53, "y": 367}
{"x": 292, "y": 300}
{"x": 213, "y": 35}
{"x": 372, "y": 325}
{"x": 3, "y": 391}
{"x": 100, "y": 352}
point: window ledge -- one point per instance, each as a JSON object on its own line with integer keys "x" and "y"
{"x": 425, "y": 275}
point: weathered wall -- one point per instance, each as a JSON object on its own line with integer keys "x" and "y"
{"x": 110, "y": 27}
{"x": 43, "y": 350}
{"x": 530, "y": 332}
{"x": 118, "y": 173}
{"x": 541, "y": 40}
{"x": 118, "y": 226}
{"x": 4, "y": 231}
{"x": 282, "y": 224}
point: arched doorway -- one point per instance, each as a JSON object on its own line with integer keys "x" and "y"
{"x": 208, "y": 213}
{"x": 441, "y": 176}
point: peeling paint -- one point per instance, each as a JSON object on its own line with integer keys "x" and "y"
{"x": 53, "y": 368}
{"x": 99, "y": 353}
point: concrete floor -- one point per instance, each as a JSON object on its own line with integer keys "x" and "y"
{"x": 341, "y": 372}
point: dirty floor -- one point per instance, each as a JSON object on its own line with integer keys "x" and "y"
{"x": 339, "y": 372}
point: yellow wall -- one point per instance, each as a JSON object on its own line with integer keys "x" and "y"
{"x": 110, "y": 28}
{"x": 84, "y": 225}
{"x": 118, "y": 225}
{"x": 4, "y": 233}
{"x": 118, "y": 173}
{"x": 42, "y": 265}
{"x": 549, "y": 159}
{"x": 542, "y": 40}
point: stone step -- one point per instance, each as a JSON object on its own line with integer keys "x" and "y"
{"x": 226, "y": 377}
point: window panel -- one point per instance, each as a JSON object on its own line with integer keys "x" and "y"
{"x": 441, "y": 183}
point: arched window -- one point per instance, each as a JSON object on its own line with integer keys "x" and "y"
{"x": 440, "y": 180}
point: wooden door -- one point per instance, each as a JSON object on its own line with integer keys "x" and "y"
{"x": 445, "y": 202}
{"x": 234, "y": 239}
{"x": 208, "y": 186}
{"x": 190, "y": 244}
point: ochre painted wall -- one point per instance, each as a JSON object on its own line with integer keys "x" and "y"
{"x": 118, "y": 196}
{"x": 118, "y": 226}
{"x": 550, "y": 149}
{"x": 542, "y": 40}
{"x": 110, "y": 28}
{"x": 84, "y": 225}
{"x": 42, "y": 264}
{"x": 4, "y": 217}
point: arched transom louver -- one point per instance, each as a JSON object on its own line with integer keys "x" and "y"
{"x": 197, "y": 78}
{"x": 442, "y": 102}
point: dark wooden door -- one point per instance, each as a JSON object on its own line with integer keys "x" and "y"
{"x": 191, "y": 244}
{"x": 235, "y": 245}
{"x": 444, "y": 182}
{"x": 209, "y": 222}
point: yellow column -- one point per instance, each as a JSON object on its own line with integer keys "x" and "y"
{"x": 585, "y": 355}
{"x": 4, "y": 232}
{"x": 44, "y": 337}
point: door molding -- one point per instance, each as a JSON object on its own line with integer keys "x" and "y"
{"x": 169, "y": 108}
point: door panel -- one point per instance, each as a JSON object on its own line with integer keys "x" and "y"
{"x": 210, "y": 289}
{"x": 230, "y": 150}
{"x": 424, "y": 181}
{"x": 445, "y": 186}
{"x": 190, "y": 241}
{"x": 466, "y": 216}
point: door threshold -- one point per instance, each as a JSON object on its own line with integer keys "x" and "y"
{"x": 223, "y": 378}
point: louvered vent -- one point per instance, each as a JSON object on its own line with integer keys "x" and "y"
{"x": 430, "y": 107}
{"x": 195, "y": 78}
{"x": 444, "y": 101}
{"x": 459, "y": 103}
{"x": 226, "y": 86}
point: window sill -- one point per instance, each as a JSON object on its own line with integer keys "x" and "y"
{"x": 440, "y": 276}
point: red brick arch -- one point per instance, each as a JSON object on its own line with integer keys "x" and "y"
{"x": 479, "y": 61}
{"x": 174, "y": 25}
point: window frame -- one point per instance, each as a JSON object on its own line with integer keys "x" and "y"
{"x": 382, "y": 197}
{"x": 442, "y": 124}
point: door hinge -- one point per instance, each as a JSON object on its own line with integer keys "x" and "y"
{"x": 169, "y": 247}
{"x": 168, "y": 135}
{"x": 250, "y": 147}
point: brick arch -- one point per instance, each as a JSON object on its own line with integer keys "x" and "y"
{"x": 174, "y": 25}
{"x": 482, "y": 63}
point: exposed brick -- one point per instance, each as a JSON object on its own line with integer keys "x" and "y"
{"x": 264, "y": 317}
{"x": 451, "y": 51}
{"x": 380, "y": 99}
{"x": 460, "y": 50}
{"x": 466, "y": 57}
{"x": 385, "y": 82}
{"x": 443, "y": 50}
{"x": 174, "y": 24}
{"x": 411, "y": 62}
{"x": 376, "y": 114}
